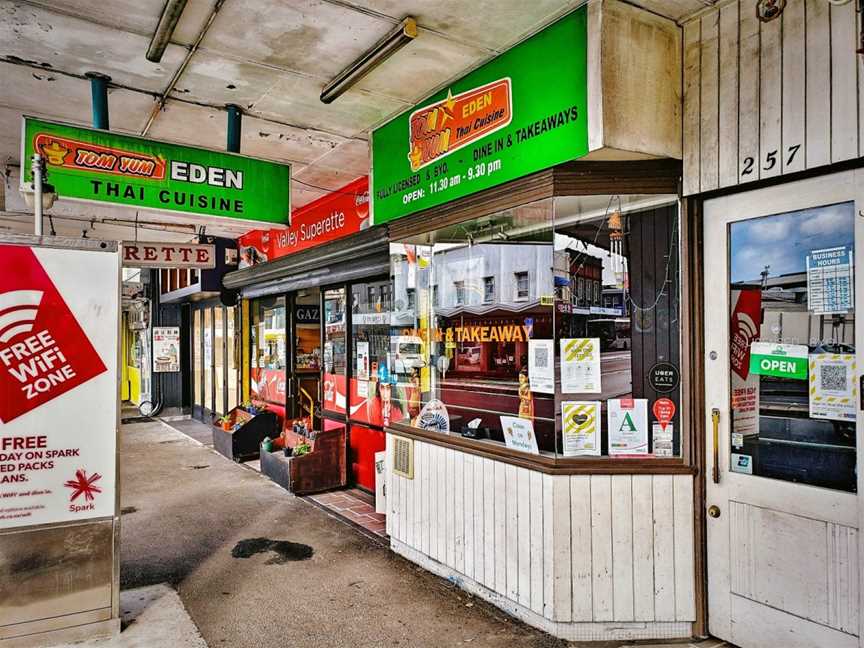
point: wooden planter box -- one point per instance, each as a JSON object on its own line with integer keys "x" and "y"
{"x": 323, "y": 468}
{"x": 244, "y": 443}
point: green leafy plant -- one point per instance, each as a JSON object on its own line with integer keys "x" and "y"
{"x": 301, "y": 449}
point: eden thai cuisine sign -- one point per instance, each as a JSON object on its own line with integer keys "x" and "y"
{"x": 104, "y": 167}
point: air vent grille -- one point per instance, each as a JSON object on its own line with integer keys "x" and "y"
{"x": 403, "y": 457}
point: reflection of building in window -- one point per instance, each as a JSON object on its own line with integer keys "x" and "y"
{"x": 488, "y": 290}
{"x": 435, "y": 295}
{"x": 412, "y": 298}
{"x": 459, "y": 288}
{"x": 522, "y": 288}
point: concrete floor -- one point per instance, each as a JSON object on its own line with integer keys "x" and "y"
{"x": 188, "y": 513}
{"x": 257, "y": 567}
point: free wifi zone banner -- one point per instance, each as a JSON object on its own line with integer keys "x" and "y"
{"x": 58, "y": 384}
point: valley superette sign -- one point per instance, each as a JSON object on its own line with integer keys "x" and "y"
{"x": 104, "y": 167}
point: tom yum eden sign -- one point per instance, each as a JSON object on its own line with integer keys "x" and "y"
{"x": 104, "y": 167}
{"x": 168, "y": 255}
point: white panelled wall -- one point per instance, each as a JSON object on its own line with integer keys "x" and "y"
{"x": 584, "y": 557}
{"x": 767, "y": 99}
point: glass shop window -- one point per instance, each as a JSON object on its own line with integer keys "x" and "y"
{"x": 334, "y": 355}
{"x": 268, "y": 352}
{"x": 793, "y": 382}
{"x": 517, "y": 350}
{"x": 371, "y": 382}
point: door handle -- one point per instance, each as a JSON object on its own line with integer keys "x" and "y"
{"x": 715, "y": 422}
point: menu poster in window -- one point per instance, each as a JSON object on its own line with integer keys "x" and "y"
{"x": 519, "y": 434}
{"x": 166, "y": 349}
{"x": 662, "y": 436}
{"x": 628, "y": 426}
{"x": 581, "y": 427}
{"x": 541, "y": 366}
{"x": 829, "y": 281}
{"x": 833, "y": 386}
{"x": 363, "y": 369}
{"x": 580, "y": 365}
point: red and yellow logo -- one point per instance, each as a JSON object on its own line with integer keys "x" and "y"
{"x": 73, "y": 154}
{"x": 439, "y": 129}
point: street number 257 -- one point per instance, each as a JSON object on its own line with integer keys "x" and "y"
{"x": 770, "y": 160}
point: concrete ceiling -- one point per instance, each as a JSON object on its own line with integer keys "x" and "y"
{"x": 271, "y": 57}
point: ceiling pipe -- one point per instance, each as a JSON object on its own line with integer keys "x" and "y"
{"x": 165, "y": 29}
{"x": 160, "y": 102}
{"x": 235, "y": 121}
{"x": 99, "y": 99}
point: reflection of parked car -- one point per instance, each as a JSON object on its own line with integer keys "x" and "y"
{"x": 614, "y": 333}
{"x": 408, "y": 353}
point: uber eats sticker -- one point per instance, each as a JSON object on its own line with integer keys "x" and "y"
{"x": 105, "y": 167}
{"x": 779, "y": 360}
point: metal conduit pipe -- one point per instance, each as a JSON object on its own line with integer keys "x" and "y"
{"x": 99, "y": 99}
{"x": 160, "y": 102}
{"x": 165, "y": 29}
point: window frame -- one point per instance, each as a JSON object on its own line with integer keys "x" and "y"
{"x": 580, "y": 179}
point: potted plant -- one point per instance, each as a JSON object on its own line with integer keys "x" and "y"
{"x": 301, "y": 449}
{"x": 225, "y": 423}
{"x": 247, "y": 405}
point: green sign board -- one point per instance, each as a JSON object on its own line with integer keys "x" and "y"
{"x": 105, "y": 167}
{"x": 779, "y": 360}
{"x": 524, "y": 111}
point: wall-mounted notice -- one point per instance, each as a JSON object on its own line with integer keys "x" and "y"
{"x": 628, "y": 426}
{"x": 580, "y": 365}
{"x": 581, "y": 420}
{"x": 833, "y": 386}
{"x": 166, "y": 349}
{"x": 58, "y": 380}
{"x": 363, "y": 369}
{"x": 829, "y": 281}
{"x": 541, "y": 366}
{"x": 519, "y": 434}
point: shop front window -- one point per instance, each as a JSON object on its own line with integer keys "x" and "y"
{"x": 371, "y": 384}
{"x": 523, "y": 355}
{"x": 334, "y": 354}
{"x": 268, "y": 352}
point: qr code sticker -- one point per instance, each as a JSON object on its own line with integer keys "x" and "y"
{"x": 834, "y": 377}
{"x": 541, "y": 357}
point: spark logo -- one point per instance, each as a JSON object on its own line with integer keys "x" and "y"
{"x": 18, "y": 310}
{"x": 83, "y": 485}
{"x": 44, "y": 352}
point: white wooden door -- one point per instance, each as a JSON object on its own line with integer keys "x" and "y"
{"x": 784, "y": 552}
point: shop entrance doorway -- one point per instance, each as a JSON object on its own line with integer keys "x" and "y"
{"x": 305, "y": 362}
{"x": 783, "y": 408}
{"x": 215, "y": 360}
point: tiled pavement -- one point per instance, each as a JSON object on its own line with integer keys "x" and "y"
{"x": 705, "y": 643}
{"x": 355, "y": 506}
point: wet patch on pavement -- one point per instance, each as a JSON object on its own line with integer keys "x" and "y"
{"x": 283, "y": 550}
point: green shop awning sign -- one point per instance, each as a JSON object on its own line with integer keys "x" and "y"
{"x": 104, "y": 167}
{"x": 523, "y": 111}
{"x": 779, "y": 360}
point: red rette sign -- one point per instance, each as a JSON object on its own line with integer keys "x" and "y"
{"x": 168, "y": 255}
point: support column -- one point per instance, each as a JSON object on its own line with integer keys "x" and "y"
{"x": 235, "y": 118}
{"x": 99, "y": 99}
